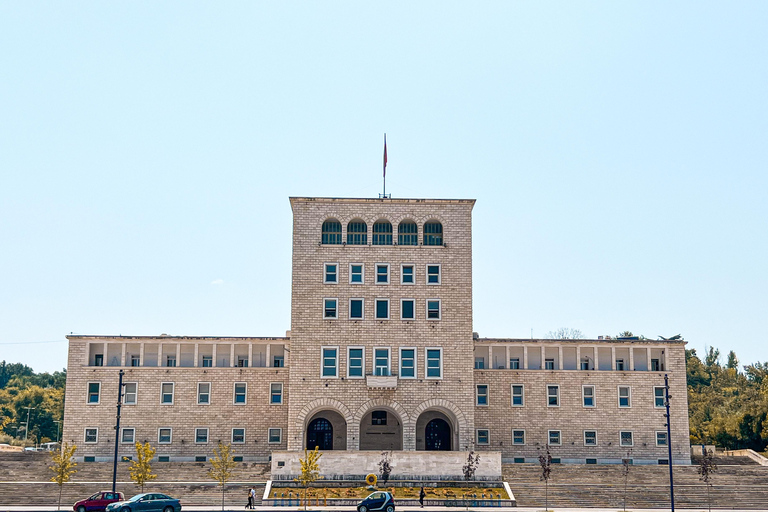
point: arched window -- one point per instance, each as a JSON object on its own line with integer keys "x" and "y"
{"x": 407, "y": 233}
{"x": 357, "y": 232}
{"x": 332, "y": 232}
{"x": 433, "y": 233}
{"x": 382, "y": 233}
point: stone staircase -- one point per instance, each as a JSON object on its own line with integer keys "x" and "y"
{"x": 735, "y": 486}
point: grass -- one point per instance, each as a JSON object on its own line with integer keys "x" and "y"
{"x": 398, "y": 492}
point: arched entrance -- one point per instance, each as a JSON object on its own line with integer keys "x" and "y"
{"x": 327, "y": 430}
{"x": 437, "y": 435}
{"x": 381, "y": 429}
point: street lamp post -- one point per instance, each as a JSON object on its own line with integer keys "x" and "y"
{"x": 669, "y": 444}
{"x": 58, "y": 429}
{"x": 26, "y": 428}
{"x": 117, "y": 427}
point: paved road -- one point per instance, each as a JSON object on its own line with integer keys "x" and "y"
{"x": 199, "y": 508}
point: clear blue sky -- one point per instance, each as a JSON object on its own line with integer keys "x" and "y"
{"x": 617, "y": 152}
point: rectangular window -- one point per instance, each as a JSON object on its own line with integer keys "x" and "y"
{"x": 94, "y": 390}
{"x": 625, "y": 438}
{"x": 518, "y": 397}
{"x": 585, "y": 364}
{"x": 553, "y": 396}
{"x": 549, "y": 364}
{"x": 329, "y": 308}
{"x": 98, "y": 360}
{"x": 135, "y": 360}
{"x": 406, "y": 309}
{"x": 164, "y": 435}
{"x": 479, "y": 363}
{"x": 519, "y": 460}
{"x": 242, "y": 361}
{"x": 356, "y": 273}
{"x": 434, "y": 363}
{"x": 166, "y": 393}
{"x": 381, "y": 361}
{"x": 163, "y": 458}
{"x": 379, "y": 418}
{"x": 129, "y": 396}
{"x": 554, "y": 437}
{"x": 127, "y": 435}
{"x": 278, "y": 361}
{"x": 406, "y": 274}
{"x": 591, "y": 461}
{"x": 588, "y": 396}
{"x": 200, "y": 458}
{"x": 590, "y": 438}
{"x": 331, "y": 273}
{"x": 356, "y": 310}
{"x": 407, "y": 363}
{"x": 207, "y": 361}
{"x": 275, "y": 435}
{"x": 661, "y": 438}
{"x": 620, "y": 365}
{"x": 355, "y": 362}
{"x": 514, "y": 363}
{"x": 382, "y": 273}
{"x": 203, "y": 393}
{"x": 276, "y": 393}
{"x": 658, "y": 397}
{"x": 655, "y": 366}
{"x": 481, "y": 394}
{"x": 170, "y": 361}
{"x": 330, "y": 362}
{"x": 625, "y": 399}
{"x": 433, "y": 274}
{"x": 201, "y": 435}
{"x": 91, "y": 435}
{"x": 382, "y": 309}
{"x": 238, "y": 435}
{"x": 483, "y": 436}
{"x": 518, "y": 437}
{"x": 433, "y": 309}
{"x": 239, "y": 397}
{"x": 663, "y": 462}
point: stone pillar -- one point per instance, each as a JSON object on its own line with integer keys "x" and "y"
{"x": 631, "y": 358}
{"x": 595, "y": 351}
{"x": 269, "y": 363}
{"x": 196, "y": 356}
{"x": 525, "y": 357}
{"x": 543, "y": 357}
{"x": 232, "y": 355}
{"x": 250, "y": 354}
{"x": 213, "y": 352}
{"x": 160, "y": 354}
{"x": 560, "y": 357}
{"x": 506, "y": 361}
{"x": 178, "y": 354}
{"x": 141, "y": 354}
{"x": 578, "y": 357}
{"x": 122, "y": 356}
{"x": 648, "y": 356}
{"x": 613, "y": 358}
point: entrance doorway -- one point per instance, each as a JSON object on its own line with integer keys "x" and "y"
{"x": 320, "y": 433}
{"x": 437, "y": 435}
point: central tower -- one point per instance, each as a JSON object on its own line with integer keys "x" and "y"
{"x": 381, "y": 325}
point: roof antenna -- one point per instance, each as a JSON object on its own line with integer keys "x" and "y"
{"x": 384, "y": 194}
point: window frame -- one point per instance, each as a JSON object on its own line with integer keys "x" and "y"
{"x": 628, "y": 397}
{"x": 413, "y": 309}
{"x": 85, "y": 435}
{"x": 666, "y": 438}
{"x": 123, "y": 430}
{"x": 631, "y": 437}
{"x": 487, "y": 436}
{"x": 513, "y": 436}
{"x": 208, "y": 393}
{"x": 322, "y": 362}
{"x": 361, "y": 235}
{"x": 170, "y": 435}
{"x": 326, "y": 273}
{"x": 334, "y": 234}
{"x": 376, "y": 274}
{"x": 557, "y": 395}
{"x": 162, "y": 393}
{"x": 549, "y": 363}
{"x": 408, "y": 234}
{"x": 428, "y": 236}
{"x": 439, "y": 273}
{"x": 232, "y": 438}
{"x": 415, "y": 363}
{"x": 585, "y": 438}
{"x": 376, "y": 308}
{"x": 362, "y": 274}
{"x": 439, "y": 310}
{"x": 516, "y": 365}
{"x": 88, "y": 393}
{"x": 207, "y": 435}
{"x": 272, "y": 393}
{"x": 412, "y": 274}
{"x": 512, "y": 395}
{"x": 362, "y": 309}
{"x": 478, "y": 395}
{"x": 235, "y": 394}
{"x": 376, "y": 236}
{"x": 362, "y": 361}
{"x": 426, "y": 363}
{"x": 663, "y": 397}
{"x": 559, "y": 438}
{"x": 135, "y": 393}
{"x": 325, "y": 308}
{"x": 584, "y": 396}
{"x": 269, "y": 435}
{"x": 389, "y": 361}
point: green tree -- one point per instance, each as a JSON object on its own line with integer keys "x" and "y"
{"x": 310, "y": 470}
{"x": 141, "y": 469}
{"x": 733, "y": 362}
{"x": 223, "y": 464}
{"x": 705, "y": 470}
{"x": 63, "y": 467}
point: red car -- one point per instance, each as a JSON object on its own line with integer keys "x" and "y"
{"x": 98, "y": 502}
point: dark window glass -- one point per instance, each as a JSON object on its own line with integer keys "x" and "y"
{"x": 407, "y": 233}
{"x": 406, "y": 363}
{"x": 357, "y": 233}
{"x": 382, "y": 309}
{"x": 332, "y": 232}
{"x": 355, "y": 362}
{"x": 382, "y": 233}
{"x": 356, "y": 308}
{"x": 433, "y": 233}
{"x": 379, "y": 418}
{"x": 407, "y": 309}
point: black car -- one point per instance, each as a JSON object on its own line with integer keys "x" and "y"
{"x": 379, "y": 500}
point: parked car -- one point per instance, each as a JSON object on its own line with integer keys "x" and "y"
{"x": 146, "y": 502}
{"x": 379, "y": 500}
{"x": 98, "y": 502}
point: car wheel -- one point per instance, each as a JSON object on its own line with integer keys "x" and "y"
{"x": 168, "y": 509}
{"x": 362, "y": 508}
{"x": 390, "y": 508}
{"x": 81, "y": 509}
{"x": 125, "y": 509}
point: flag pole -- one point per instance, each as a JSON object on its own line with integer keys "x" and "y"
{"x": 385, "y": 166}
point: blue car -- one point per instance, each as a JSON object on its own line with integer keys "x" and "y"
{"x": 379, "y": 500}
{"x": 146, "y": 502}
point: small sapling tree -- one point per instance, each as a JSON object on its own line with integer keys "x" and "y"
{"x": 385, "y": 466}
{"x": 705, "y": 470}
{"x": 223, "y": 464}
{"x": 470, "y": 467}
{"x": 141, "y": 469}
{"x": 63, "y": 467}
{"x": 545, "y": 461}
{"x": 310, "y": 470}
{"x": 626, "y": 465}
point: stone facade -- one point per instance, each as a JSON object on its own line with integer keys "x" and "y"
{"x": 380, "y": 356}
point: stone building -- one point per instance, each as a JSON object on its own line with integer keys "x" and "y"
{"x": 381, "y": 354}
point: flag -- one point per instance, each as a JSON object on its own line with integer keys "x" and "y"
{"x": 385, "y": 155}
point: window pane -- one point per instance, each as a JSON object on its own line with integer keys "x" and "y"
{"x": 433, "y": 309}
{"x": 407, "y": 276}
{"x": 382, "y": 309}
{"x": 407, "y": 309}
{"x": 356, "y": 308}
{"x": 406, "y": 363}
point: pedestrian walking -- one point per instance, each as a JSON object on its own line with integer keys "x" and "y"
{"x": 422, "y": 495}
{"x": 250, "y": 499}
{"x": 253, "y": 497}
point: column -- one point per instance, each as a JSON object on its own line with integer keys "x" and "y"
{"x": 232, "y": 355}
{"x": 560, "y": 356}
{"x": 543, "y": 358}
{"x": 269, "y": 363}
{"x": 648, "y": 354}
{"x": 195, "y": 362}
{"x": 141, "y": 354}
{"x": 160, "y": 354}
{"x": 664, "y": 353}
{"x": 178, "y": 354}
{"x": 122, "y": 356}
{"x": 214, "y": 354}
{"x": 105, "y": 357}
{"x": 578, "y": 357}
{"x": 613, "y": 358}
{"x": 595, "y": 351}
{"x": 506, "y": 361}
{"x": 631, "y": 358}
{"x": 250, "y": 354}
{"x": 525, "y": 357}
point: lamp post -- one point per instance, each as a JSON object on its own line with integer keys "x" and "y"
{"x": 669, "y": 444}
{"x": 58, "y": 429}
{"x": 26, "y": 428}
{"x": 117, "y": 427}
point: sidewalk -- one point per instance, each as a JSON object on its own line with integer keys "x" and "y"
{"x": 213, "y": 508}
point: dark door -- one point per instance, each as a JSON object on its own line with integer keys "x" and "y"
{"x": 438, "y": 436}
{"x": 320, "y": 433}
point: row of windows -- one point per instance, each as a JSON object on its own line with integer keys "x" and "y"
{"x": 357, "y": 233}
{"x": 165, "y": 435}
{"x": 167, "y": 392}
{"x": 549, "y": 364}
{"x": 356, "y": 362}
{"x": 588, "y": 397}
{"x": 356, "y": 311}
{"x": 382, "y": 273}
{"x": 205, "y": 361}
{"x": 555, "y": 437}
